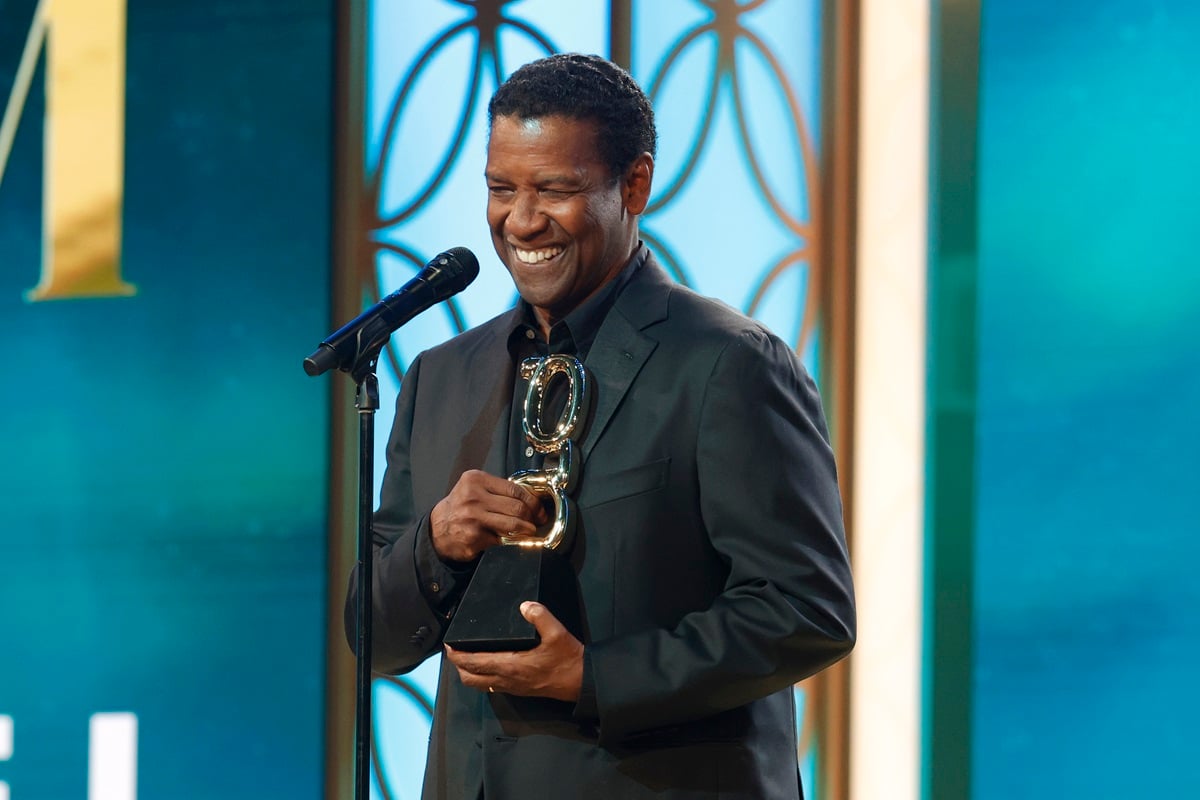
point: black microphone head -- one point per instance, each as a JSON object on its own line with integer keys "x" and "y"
{"x": 457, "y": 267}
{"x": 442, "y": 278}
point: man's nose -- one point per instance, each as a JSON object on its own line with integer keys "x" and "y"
{"x": 525, "y": 218}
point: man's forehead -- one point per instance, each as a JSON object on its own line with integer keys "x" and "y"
{"x": 536, "y": 123}
{"x": 548, "y": 136}
{"x": 525, "y": 126}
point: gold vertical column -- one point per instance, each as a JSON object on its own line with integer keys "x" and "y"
{"x": 84, "y": 148}
{"x": 353, "y": 260}
{"x": 889, "y": 398}
{"x": 839, "y": 261}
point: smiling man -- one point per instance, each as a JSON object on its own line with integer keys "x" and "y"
{"x": 708, "y": 545}
{"x": 563, "y": 220}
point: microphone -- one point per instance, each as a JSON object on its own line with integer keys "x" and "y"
{"x": 443, "y": 277}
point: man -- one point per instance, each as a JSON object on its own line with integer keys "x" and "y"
{"x": 709, "y": 548}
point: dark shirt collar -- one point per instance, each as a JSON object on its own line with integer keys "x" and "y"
{"x": 575, "y": 332}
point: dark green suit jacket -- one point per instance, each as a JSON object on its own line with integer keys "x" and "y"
{"x": 710, "y": 554}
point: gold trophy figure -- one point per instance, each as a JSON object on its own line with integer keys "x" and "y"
{"x": 532, "y": 567}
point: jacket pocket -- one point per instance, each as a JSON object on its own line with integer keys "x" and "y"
{"x": 601, "y": 488}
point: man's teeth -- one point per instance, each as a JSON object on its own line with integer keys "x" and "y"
{"x": 536, "y": 256}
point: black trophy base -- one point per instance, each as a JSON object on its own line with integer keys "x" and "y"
{"x": 489, "y": 617}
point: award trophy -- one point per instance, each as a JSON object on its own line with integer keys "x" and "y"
{"x": 532, "y": 567}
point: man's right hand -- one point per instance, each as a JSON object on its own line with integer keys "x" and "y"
{"x": 479, "y": 509}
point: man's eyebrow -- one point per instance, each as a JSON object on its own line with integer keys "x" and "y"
{"x": 559, "y": 179}
{"x": 570, "y": 180}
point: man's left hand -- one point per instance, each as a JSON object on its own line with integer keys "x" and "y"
{"x": 552, "y": 669}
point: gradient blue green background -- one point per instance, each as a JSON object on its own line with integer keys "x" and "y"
{"x": 163, "y": 480}
{"x": 163, "y": 459}
{"x": 1087, "y": 644}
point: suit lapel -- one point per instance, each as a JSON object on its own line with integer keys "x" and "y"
{"x": 621, "y": 347}
{"x": 488, "y": 398}
{"x": 617, "y": 355}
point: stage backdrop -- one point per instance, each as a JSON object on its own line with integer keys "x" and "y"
{"x": 1087, "y": 639}
{"x": 735, "y": 214}
{"x": 164, "y": 234}
{"x": 1071, "y": 382}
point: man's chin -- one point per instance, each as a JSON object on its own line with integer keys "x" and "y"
{"x": 536, "y": 282}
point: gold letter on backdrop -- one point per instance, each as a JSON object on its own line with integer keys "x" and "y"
{"x": 83, "y": 168}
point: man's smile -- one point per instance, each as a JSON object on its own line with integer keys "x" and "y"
{"x": 535, "y": 256}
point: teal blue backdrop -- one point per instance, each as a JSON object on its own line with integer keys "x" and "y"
{"x": 1086, "y": 534}
{"x": 163, "y": 474}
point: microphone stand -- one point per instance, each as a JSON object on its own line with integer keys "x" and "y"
{"x": 366, "y": 400}
{"x": 446, "y": 275}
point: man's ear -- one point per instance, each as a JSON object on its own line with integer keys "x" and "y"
{"x": 635, "y": 189}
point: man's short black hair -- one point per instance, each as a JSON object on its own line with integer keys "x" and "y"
{"x": 588, "y": 88}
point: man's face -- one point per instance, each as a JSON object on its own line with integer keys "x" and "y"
{"x": 562, "y": 225}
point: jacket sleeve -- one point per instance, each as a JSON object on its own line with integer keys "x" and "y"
{"x": 772, "y": 511}
{"x": 413, "y": 592}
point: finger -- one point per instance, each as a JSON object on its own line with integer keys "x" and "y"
{"x": 473, "y": 520}
{"x": 530, "y": 503}
{"x": 503, "y": 524}
{"x": 491, "y": 491}
{"x": 530, "y": 536}
{"x": 487, "y": 483}
{"x": 473, "y": 681}
{"x": 539, "y": 616}
{"x": 462, "y": 659}
{"x": 465, "y": 673}
{"x": 488, "y": 494}
{"x": 545, "y": 511}
{"x": 512, "y": 508}
{"x": 480, "y": 664}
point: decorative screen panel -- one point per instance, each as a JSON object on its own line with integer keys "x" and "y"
{"x": 736, "y": 91}
{"x": 735, "y": 88}
{"x": 431, "y": 68}
{"x": 734, "y": 214}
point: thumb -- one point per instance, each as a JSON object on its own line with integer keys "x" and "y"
{"x": 540, "y": 617}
